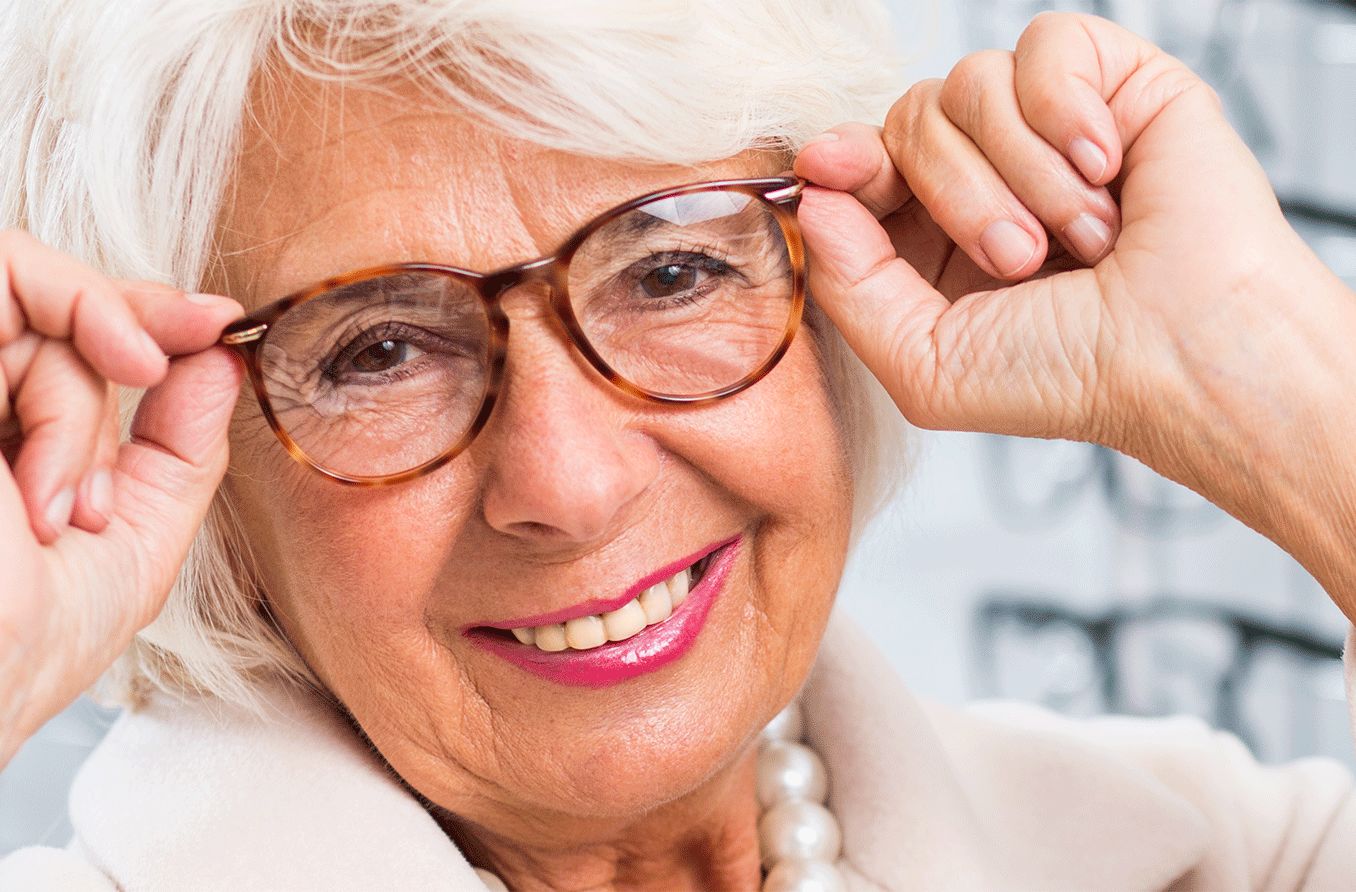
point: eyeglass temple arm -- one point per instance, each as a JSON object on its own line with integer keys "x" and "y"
{"x": 244, "y": 335}
{"x": 256, "y": 331}
{"x": 786, "y": 193}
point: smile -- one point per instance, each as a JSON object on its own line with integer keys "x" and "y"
{"x": 604, "y": 642}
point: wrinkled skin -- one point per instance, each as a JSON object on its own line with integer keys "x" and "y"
{"x": 1190, "y": 328}
{"x": 574, "y": 490}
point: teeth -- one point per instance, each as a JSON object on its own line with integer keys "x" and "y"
{"x": 584, "y": 632}
{"x": 654, "y": 605}
{"x": 625, "y": 621}
{"x": 678, "y": 587}
{"x": 550, "y": 637}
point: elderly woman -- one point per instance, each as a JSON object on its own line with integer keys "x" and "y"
{"x": 562, "y": 327}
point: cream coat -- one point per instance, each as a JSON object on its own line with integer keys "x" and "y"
{"x": 195, "y": 796}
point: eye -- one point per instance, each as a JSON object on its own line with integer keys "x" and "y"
{"x": 669, "y": 279}
{"x": 384, "y": 355}
{"x": 370, "y": 356}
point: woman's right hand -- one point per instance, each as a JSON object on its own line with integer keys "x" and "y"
{"x": 93, "y": 531}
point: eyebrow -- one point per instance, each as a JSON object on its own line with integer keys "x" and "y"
{"x": 634, "y": 224}
{"x": 463, "y": 299}
{"x": 657, "y": 215}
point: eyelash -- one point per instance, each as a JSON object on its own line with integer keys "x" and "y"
{"x": 357, "y": 339}
{"x": 705, "y": 257}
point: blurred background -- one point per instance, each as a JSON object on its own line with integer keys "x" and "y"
{"x": 1061, "y": 573}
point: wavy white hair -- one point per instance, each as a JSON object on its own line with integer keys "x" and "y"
{"x": 124, "y": 125}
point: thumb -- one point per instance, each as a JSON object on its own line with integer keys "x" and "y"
{"x": 1016, "y": 360}
{"x": 166, "y": 476}
{"x": 884, "y": 309}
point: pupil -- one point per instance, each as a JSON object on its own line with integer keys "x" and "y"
{"x": 380, "y": 356}
{"x": 668, "y": 279}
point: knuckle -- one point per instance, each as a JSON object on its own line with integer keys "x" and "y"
{"x": 932, "y": 127}
{"x": 1052, "y": 32}
{"x": 978, "y": 70}
{"x": 92, "y": 299}
{"x": 1040, "y": 27}
{"x": 1165, "y": 80}
{"x": 907, "y": 109}
{"x": 974, "y": 83}
{"x": 1053, "y": 21}
{"x": 907, "y": 123}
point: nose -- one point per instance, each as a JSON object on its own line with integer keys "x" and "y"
{"x": 563, "y": 463}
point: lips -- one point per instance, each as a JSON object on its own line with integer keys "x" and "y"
{"x": 601, "y": 664}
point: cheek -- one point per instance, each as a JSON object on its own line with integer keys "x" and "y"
{"x": 345, "y": 568}
{"x": 354, "y": 575}
{"x": 777, "y": 446}
{"x": 778, "y": 452}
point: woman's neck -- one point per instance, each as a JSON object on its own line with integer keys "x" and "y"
{"x": 707, "y": 840}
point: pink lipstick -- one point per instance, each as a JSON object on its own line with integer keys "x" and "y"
{"x": 654, "y": 646}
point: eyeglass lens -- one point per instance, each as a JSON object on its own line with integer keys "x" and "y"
{"x": 681, "y": 297}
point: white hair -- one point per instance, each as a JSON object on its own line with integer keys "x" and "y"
{"x": 125, "y": 119}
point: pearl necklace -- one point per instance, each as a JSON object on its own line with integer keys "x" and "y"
{"x": 798, "y": 836}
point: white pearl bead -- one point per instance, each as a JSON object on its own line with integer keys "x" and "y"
{"x": 798, "y": 829}
{"x": 790, "y": 771}
{"x": 804, "y": 875}
{"x": 785, "y": 725}
{"x": 491, "y": 881}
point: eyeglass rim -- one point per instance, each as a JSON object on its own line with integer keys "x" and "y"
{"x": 780, "y": 194}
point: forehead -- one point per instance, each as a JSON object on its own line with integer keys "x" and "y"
{"x": 334, "y": 177}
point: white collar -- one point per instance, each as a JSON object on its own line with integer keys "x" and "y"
{"x": 200, "y": 795}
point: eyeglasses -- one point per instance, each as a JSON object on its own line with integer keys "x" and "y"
{"x": 687, "y": 295}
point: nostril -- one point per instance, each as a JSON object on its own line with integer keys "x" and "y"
{"x": 533, "y": 529}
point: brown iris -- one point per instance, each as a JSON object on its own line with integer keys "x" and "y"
{"x": 687, "y": 295}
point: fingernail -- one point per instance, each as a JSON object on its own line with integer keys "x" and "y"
{"x": 208, "y": 300}
{"x": 58, "y": 514}
{"x": 1089, "y": 236}
{"x": 99, "y": 492}
{"x": 826, "y": 136}
{"x": 1088, "y": 158}
{"x": 1008, "y": 246}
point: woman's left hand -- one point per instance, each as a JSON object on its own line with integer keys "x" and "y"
{"x": 1177, "y": 318}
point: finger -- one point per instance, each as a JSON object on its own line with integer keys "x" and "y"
{"x": 1065, "y": 79}
{"x": 94, "y": 495}
{"x": 1016, "y": 360}
{"x": 61, "y": 298}
{"x": 960, "y": 188}
{"x": 60, "y": 408}
{"x": 884, "y": 309}
{"x": 851, "y": 158}
{"x": 979, "y": 96}
{"x": 1091, "y": 87}
{"x": 166, "y": 476}
{"x": 179, "y": 322}
{"x": 1166, "y": 120}
{"x": 16, "y": 357}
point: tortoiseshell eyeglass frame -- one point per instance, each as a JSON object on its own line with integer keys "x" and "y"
{"x": 781, "y": 195}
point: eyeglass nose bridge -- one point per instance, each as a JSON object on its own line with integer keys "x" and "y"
{"x": 550, "y": 271}
{"x": 247, "y": 334}
{"x": 553, "y": 272}
{"x": 543, "y": 270}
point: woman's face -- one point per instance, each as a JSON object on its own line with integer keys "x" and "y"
{"x": 574, "y": 491}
